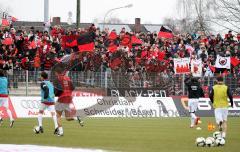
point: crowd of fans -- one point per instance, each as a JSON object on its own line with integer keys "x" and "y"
{"x": 40, "y": 50}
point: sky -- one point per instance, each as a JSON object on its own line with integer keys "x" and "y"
{"x": 150, "y": 11}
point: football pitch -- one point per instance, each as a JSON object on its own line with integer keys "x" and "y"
{"x": 122, "y": 134}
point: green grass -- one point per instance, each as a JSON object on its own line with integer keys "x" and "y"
{"x": 140, "y": 135}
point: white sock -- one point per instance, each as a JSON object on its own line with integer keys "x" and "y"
{"x": 193, "y": 117}
{"x": 60, "y": 130}
{"x": 40, "y": 119}
{"x": 224, "y": 134}
{"x": 55, "y": 121}
{"x": 192, "y": 122}
{"x": 10, "y": 115}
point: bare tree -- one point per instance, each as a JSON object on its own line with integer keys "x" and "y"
{"x": 228, "y": 14}
{"x": 181, "y": 25}
{"x": 171, "y": 23}
{"x": 198, "y": 12}
{"x": 209, "y": 13}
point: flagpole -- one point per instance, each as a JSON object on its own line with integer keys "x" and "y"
{"x": 113, "y": 9}
{"x": 46, "y": 15}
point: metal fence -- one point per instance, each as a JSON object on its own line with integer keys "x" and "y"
{"x": 26, "y": 82}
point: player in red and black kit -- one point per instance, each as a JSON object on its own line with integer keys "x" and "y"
{"x": 63, "y": 89}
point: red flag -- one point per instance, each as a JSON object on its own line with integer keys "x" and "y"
{"x": 86, "y": 47}
{"x": 8, "y": 41}
{"x": 126, "y": 40}
{"x": 165, "y": 35}
{"x": 161, "y": 55}
{"x": 212, "y": 68}
{"x": 136, "y": 40}
{"x": 112, "y": 48}
{"x": 144, "y": 54}
{"x": 234, "y": 61}
{"x": 5, "y": 22}
{"x": 112, "y": 35}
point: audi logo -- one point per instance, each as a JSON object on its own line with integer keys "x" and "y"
{"x": 30, "y": 104}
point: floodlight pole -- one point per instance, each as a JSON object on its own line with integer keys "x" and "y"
{"x": 113, "y": 9}
{"x": 78, "y": 13}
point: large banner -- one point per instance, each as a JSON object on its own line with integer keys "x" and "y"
{"x": 28, "y": 107}
{"x": 205, "y": 108}
{"x": 196, "y": 68}
{"x": 223, "y": 62}
{"x": 181, "y": 65}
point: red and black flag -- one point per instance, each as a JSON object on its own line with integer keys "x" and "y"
{"x": 84, "y": 42}
{"x": 112, "y": 42}
{"x": 165, "y": 33}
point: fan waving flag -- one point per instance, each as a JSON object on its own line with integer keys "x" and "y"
{"x": 84, "y": 42}
{"x": 165, "y": 33}
{"x": 223, "y": 62}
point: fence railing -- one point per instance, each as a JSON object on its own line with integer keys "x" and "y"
{"x": 27, "y": 82}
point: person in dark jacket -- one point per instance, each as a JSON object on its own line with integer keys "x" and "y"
{"x": 194, "y": 93}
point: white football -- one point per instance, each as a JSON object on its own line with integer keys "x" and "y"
{"x": 217, "y": 134}
{"x": 210, "y": 141}
{"x": 220, "y": 141}
{"x": 200, "y": 142}
{"x": 36, "y": 129}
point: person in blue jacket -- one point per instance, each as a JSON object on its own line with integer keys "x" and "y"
{"x": 4, "y": 99}
{"x": 47, "y": 102}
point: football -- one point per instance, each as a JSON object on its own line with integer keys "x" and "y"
{"x": 210, "y": 141}
{"x": 200, "y": 142}
{"x": 36, "y": 129}
{"x": 217, "y": 134}
{"x": 220, "y": 141}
